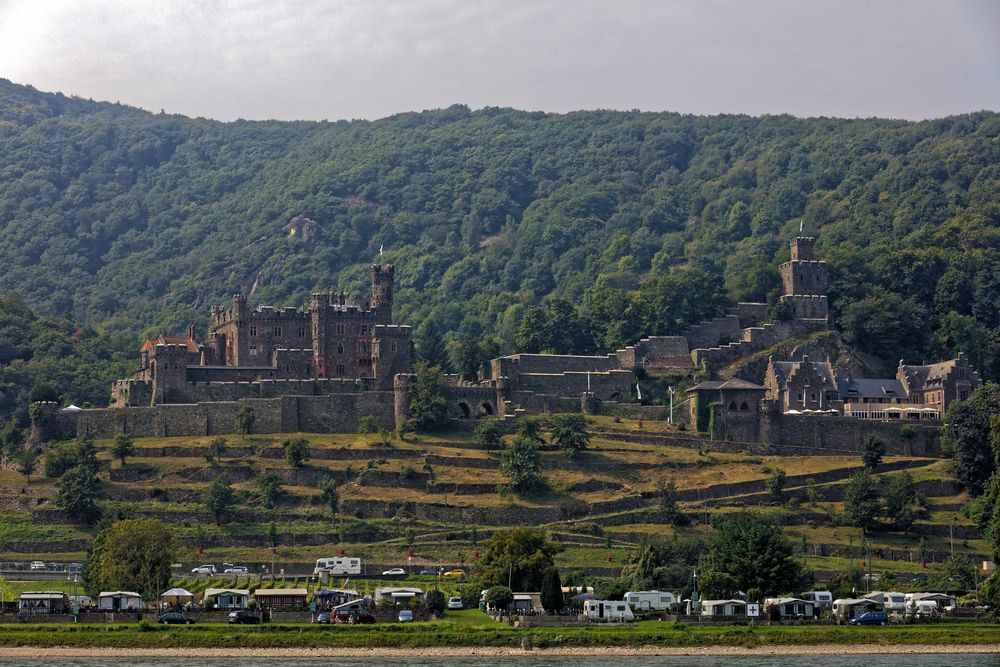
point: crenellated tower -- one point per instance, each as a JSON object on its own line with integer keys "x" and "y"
{"x": 381, "y": 301}
{"x": 805, "y": 281}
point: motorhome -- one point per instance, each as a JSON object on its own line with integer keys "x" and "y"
{"x": 892, "y": 601}
{"x": 338, "y": 566}
{"x": 650, "y": 600}
{"x": 822, "y": 599}
{"x": 607, "y": 610}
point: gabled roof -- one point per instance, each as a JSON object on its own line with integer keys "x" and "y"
{"x": 784, "y": 369}
{"x": 870, "y": 388}
{"x": 280, "y": 591}
{"x": 190, "y": 343}
{"x": 119, "y": 594}
{"x": 734, "y": 384}
{"x": 928, "y": 374}
{"x": 213, "y": 592}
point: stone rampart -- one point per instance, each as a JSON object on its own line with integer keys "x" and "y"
{"x": 331, "y": 413}
{"x": 712, "y": 332}
{"x": 750, "y": 314}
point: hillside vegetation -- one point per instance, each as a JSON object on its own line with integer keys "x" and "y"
{"x": 440, "y": 496}
{"x": 129, "y": 222}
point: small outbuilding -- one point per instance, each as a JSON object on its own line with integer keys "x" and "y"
{"x": 42, "y": 602}
{"x": 226, "y": 598}
{"x": 789, "y": 608}
{"x": 119, "y": 601}
{"x": 723, "y": 608}
{"x": 399, "y": 595}
{"x": 289, "y": 598}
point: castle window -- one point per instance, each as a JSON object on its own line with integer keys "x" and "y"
{"x": 253, "y": 350}
{"x": 253, "y": 331}
{"x": 302, "y": 332}
{"x": 340, "y": 349}
{"x": 340, "y": 328}
{"x": 732, "y": 405}
{"x": 744, "y": 407}
{"x": 364, "y": 328}
{"x": 340, "y": 369}
{"x": 812, "y": 397}
{"x": 393, "y": 346}
{"x": 277, "y": 331}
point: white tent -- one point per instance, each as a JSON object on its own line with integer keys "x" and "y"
{"x": 71, "y": 408}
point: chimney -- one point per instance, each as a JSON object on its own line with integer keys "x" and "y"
{"x": 191, "y": 331}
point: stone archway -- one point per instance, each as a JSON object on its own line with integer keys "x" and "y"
{"x": 466, "y": 410}
{"x": 486, "y": 410}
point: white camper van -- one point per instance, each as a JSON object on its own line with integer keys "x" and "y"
{"x": 822, "y": 599}
{"x": 340, "y": 566}
{"x": 607, "y": 610}
{"x": 650, "y": 600}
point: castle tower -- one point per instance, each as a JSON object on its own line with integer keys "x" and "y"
{"x": 805, "y": 281}
{"x": 381, "y": 301}
{"x": 803, "y": 274}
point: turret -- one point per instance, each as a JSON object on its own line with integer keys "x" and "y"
{"x": 381, "y": 301}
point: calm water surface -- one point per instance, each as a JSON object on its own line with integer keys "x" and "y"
{"x": 959, "y": 660}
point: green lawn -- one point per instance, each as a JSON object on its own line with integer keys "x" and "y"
{"x": 470, "y": 628}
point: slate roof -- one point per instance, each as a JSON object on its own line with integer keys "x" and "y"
{"x": 782, "y": 369}
{"x": 870, "y": 388}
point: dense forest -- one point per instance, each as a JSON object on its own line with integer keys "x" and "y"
{"x": 594, "y": 228}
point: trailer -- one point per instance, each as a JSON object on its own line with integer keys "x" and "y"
{"x": 650, "y": 600}
{"x": 340, "y": 566}
{"x": 608, "y": 611}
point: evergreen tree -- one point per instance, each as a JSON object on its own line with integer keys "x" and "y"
{"x": 552, "y": 596}
{"x": 123, "y": 448}
{"x": 428, "y": 397}
{"x": 219, "y": 499}
{"x": 872, "y": 453}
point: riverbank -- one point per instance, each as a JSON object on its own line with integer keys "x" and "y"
{"x": 479, "y": 651}
{"x": 493, "y": 639}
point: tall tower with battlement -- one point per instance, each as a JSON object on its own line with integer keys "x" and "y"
{"x": 381, "y": 301}
{"x": 805, "y": 281}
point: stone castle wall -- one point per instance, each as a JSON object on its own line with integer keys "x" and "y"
{"x": 711, "y": 332}
{"x": 333, "y": 413}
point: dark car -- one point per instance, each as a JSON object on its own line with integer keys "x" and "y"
{"x": 243, "y": 617}
{"x": 355, "y": 617}
{"x": 324, "y": 617}
{"x": 432, "y": 573}
{"x": 871, "y": 618}
{"x": 175, "y": 618}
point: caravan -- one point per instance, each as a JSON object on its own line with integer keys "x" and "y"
{"x": 338, "y": 566}
{"x": 650, "y": 600}
{"x": 607, "y": 610}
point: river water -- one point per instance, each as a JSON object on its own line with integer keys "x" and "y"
{"x": 958, "y": 659}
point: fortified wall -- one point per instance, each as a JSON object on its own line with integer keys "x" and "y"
{"x": 333, "y": 413}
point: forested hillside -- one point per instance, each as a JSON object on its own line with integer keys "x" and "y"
{"x": 129, "y": 222}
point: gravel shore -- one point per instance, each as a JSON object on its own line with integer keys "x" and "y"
{"x": 471, "y": 651}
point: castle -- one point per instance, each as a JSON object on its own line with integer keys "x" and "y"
{"x": 322, "y": 368}
{"x": 312, "y": 351}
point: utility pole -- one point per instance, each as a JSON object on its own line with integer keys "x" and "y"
{"x": 670, "y": 390}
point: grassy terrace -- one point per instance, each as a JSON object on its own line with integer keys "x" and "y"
{"x": 471, "y": 628}
{"x": 430, "y": 472}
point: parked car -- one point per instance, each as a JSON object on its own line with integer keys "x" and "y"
{"x": 74, "y": 567}
{"x": 455, "y": 603}
{"x": 394, "y": 572}
{"x": 236, "y": 569}
{"x": 455, "y": 573}
{"x": 431, "y": 572}
{"x": 870, "y": 618}
{"x": 405, "y": 616}
{"x": 242, "y": 617}
{"x": 324, "y": 617}
{"x": 37, "y": 565}
{"x": 175, "y": 618}
{"x": 204, "y": 569}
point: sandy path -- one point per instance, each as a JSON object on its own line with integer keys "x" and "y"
{"x": 825, "y": 649}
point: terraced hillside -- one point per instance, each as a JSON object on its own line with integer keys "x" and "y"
{"x": 437, "y": 495}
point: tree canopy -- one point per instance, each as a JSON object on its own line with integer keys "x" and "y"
{"x": 520, "y": 555}
{"x": 509, "y": 229}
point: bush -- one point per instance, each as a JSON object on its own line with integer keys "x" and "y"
{"x": 435, "y": 602}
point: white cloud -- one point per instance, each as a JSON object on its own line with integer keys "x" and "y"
{"x": 356, "y": 58}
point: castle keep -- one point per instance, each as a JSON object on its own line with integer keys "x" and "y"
{"x": 332, "y": 346}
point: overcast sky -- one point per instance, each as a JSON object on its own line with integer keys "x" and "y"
{"x": 312, "y": 59}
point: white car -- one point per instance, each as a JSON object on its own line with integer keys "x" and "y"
{"x": 395, "y": 572}
{"x": 204, "y": 569}
{"x": 37, "y": 565}
{"x": 454, "y": 603}
{"x": 236, "y": 569}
